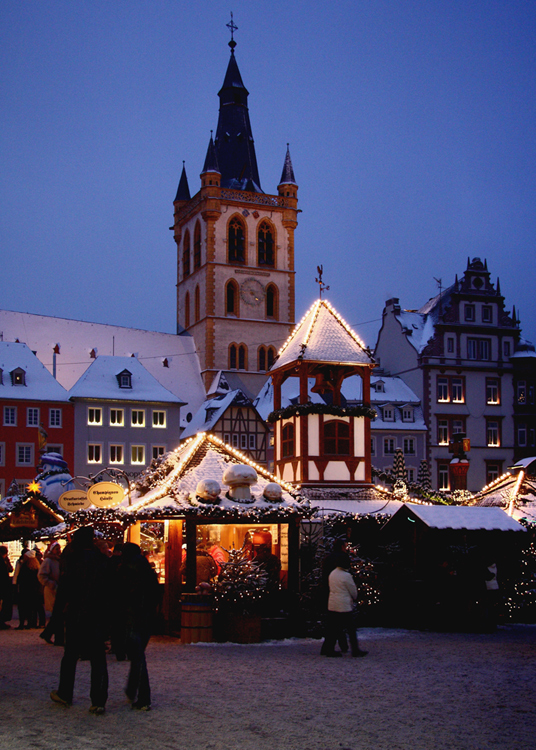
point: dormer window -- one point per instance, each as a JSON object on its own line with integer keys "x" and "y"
{"x": 379, "y": 386}
{"x": 407, "y": 414}
{"x": 125, "y": 379}
{"x": 18, "y": 376}
{"x": 388, "y": 413}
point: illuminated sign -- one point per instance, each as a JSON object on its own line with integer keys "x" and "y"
{"x": 74, "y": 500}
{"x": 106, "y": 494}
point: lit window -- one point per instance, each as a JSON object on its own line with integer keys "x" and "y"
{"x": 443, "y": 476}
{"x": 137, "y": 454}
{"x": 117, "y": 417}
{"x": 116, "y": 454}
{"x": 442, "y": 431}
{"x": 159, "y": 418}
{"x": 287, "y": 441}
{"x": 32, "y": 417}
{"x": 457, "y": 390}
{"x": 493, "y": 438}
{"x": 137, "y": 418}
{"x": 25, "y": 454}
{"x": 158, "y": 450}
{"x": 442, "y": 389}
{"x": 409, "y": 446}
{"x": 10, "y": 416}
{"x": 388, "y": 446}
{"x": 521, "y": 391}
{"x": 94, "y": 453}
{"x": 54, "y": 418}
{"x": 94, "y": 416}
{"x": 492, "y": 391}
{"x": 18, "y": 377}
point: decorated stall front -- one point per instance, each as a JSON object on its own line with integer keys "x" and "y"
{"x": 222, "y": 533}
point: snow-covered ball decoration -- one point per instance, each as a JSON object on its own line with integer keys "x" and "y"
{"x": 208, "y": 491}
{"x": 239, "y": 478}
{"x": 273, "y": 493}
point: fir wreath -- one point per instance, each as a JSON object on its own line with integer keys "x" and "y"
{"x": 302, "y": 410}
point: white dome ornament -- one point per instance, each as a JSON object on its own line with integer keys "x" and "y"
{"x": 239, "y": 478}
{"x": 273, "y": 493}
{"x": 208, "y": 491}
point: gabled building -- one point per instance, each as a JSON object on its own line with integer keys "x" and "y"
{"x": 455, "y": 354}
{"x": 235, "y": 250}
{"x": 123, "y": 417}
{"x": 524, "y": 364}
{"x": 36, "y": 415}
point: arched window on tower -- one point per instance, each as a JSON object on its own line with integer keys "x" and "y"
{"x": 233, "y": 359}
{"x": 287, "y": 441}
{"x": 197, "y": 305}
{"x": 242, "y": 357}
{"x": 272, "y": 302}
{"x": 231, "y": 298}
{"x": 187, "y": 310}
{"x": 197, "y": 247}
{"x": 265, "y": 245}
{"x": 236, "y": 241}
{"x": 262, "y": 358}
{"x": 186, "y": 255}
{"x": 336, "y": 438}
{"x": 270, "y": 356}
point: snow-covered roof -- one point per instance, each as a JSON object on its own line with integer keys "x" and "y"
{"x": 39, "y": 384}
{"x": 100, "y": 381}
{"x": 398, "y": 423}
{"x": 329, "y": 506}
{"x": 171, "y": 359}
{"x": 472, "y": 518}
{"x": 212, "y": 410}
{"x": 394, "y": 390}
{"x": 168, "y": 486}
{"x": 525, "y": 462}
{"x": 418, "y": 327}
{"x": 323, "y": 336}
{"x": 290, "y": 390}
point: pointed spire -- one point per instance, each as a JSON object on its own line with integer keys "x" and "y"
{"x": 485, "y": 264}
{"x": 514, "y": 316}
{"x": 456, "y": 284}
{"x": 287, "y": 175}
{"x": 211, "y": 160}
{"x": 183, "y": 191}
{"x": 498, "y": 287}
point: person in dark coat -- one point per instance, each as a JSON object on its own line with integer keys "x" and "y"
{"x": 29, "y": 590}
{"x": 83, "y": 598}
{"x": 6, "y": 589}
{"x": 136, "y": 592}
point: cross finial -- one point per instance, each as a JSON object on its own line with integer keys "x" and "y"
{"x": 320, "y": 281}
{"x": 232, "y": 27}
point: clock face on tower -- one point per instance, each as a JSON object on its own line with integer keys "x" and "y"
{"x": 252, "y": 292}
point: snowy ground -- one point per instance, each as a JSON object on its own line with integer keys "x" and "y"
{"x": 415, "y": 690}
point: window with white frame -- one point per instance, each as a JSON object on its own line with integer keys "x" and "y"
{"x": 54, "y": 418}
{"x": 372, "y": 446}
{"x": 94, "y": 453}
{"x": 94, "y": 416}
{"x": 407, "y": 414}
{"x": 388, "y": 414}
{"x": 55, "y": 448}
{"x": 479, "y": 349}
{"x": 10, "y": 416}
{"x": 456, "y": 386}
{"x": 522, "y": 435}
{"x": 388, "y": 446}
{"x": 443, "y": 390}
{"x": 507, "y": 349}
{"x": 409, "y": 446}
{"x": 469, "y": 313}
{"x": 227, "y": 438}
{"x": 450, "y": 345}
{"x": 252, "y": 442}
{"x": 450, "y": 389}
{"x": 25, "y": 454}
{"x": 116, "y": 453}
{"x": 117, "y": 417}
{"x": 411, "y": 473}
{"x": 493, "y": 433}
{"x": 443, "y": 431}
{"x": 32, "y": 417}
{"x": 243, "y": 441}
{"x": 235, "y": 440}
{"x": 137, "y": 418}
{"x": 493, "y": 471}
{"x": 159, "y": 419}
{"x": 158, "y": 450}
{"x": 443, "y": 477}
{"x": 492, "y": 391}
{"x": 487, "y": 314}
{"x": 137, "y": 454}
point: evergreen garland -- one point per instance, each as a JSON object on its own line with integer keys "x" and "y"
{"x": 302, "y": 410}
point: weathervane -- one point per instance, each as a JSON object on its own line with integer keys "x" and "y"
{"x": 232, "y": 27}
{"x": 320, "y": 281}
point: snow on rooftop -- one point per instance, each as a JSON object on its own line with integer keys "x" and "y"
{"x": 472, "y": 518}
{"x": 100, "y": 380}
{"x": 323, "y": 336}
{"x": 39, "y": 384}
{"x": 171, "y": 359}
{"x": 419, "y": 328}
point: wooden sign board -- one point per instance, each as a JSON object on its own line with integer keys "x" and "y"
{"x": 73, "y": 500}
{"x": 106, "y": 494}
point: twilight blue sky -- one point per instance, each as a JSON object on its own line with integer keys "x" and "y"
{"x": 412, "y": 129}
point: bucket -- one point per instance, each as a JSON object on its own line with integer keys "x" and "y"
{"x": 196, "y": 619}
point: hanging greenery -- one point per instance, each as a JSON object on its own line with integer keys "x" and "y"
{"x": 302, "y": 410}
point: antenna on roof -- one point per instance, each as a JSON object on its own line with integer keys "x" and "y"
{"x": 320, "y": 281}
{"x": 439, "y": 283}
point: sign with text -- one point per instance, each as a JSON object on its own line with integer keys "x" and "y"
{"x": 73, "y": 500}
{"x": 106, "y": 494}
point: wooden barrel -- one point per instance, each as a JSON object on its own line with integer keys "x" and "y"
{"x": 196, "y": 618}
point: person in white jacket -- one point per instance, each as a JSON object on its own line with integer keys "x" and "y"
{"x": 339, "y": 619}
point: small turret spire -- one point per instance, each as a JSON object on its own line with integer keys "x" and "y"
{"x": 287, "y": 175}
{"x": 211, "y": 160}
{"x": 183, "y": 191}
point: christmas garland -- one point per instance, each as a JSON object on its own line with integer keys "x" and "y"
{"x": 302, "y": 410}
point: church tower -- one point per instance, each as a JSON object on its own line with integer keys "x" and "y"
{"x": 235, "y": 251}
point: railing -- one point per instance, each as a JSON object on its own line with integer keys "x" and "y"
{"x": 240, "y": 196}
